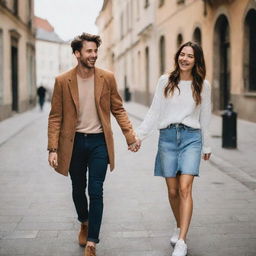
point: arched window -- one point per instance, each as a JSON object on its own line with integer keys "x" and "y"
{"x": 146, "y": 4}
{"x": 161, "y": 3}
{"x": 16, "y": 7}
{"x": 197, "y": 36}
{"x": 250, "y": 51}
{"x": 179, "y": 40}
{"x": 162, "y": 54}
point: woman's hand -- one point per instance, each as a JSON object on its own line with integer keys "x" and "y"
{"x": 135, "y": 146}
{"x": 206, "y": 156}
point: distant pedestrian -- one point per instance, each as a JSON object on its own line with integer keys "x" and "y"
{"x": 181, "y": 109}
{"x": 80, "y": 139}
{"x": 41, "y": 91}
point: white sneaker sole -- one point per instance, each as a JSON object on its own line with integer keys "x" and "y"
{"x": 186, "y": 254}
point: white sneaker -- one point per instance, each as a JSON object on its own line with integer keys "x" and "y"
{"x": 180, "y": 248}
{"x": 175, "y": 236}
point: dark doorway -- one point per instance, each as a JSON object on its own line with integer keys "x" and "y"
{"x": 14, "y": 76}
{"x": 250, "y": 51}
{"x": 222, "y": 61}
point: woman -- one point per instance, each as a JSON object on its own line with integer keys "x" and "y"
{"x": 181, "y": 109}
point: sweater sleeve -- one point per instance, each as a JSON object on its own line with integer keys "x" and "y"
{"x": 151, "y": 120}
{"x": 205, "y": 115}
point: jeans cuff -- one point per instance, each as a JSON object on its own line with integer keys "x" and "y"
{"x": 82, "y": 220}
{"x": 96, "y": 241}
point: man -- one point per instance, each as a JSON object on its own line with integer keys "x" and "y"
{"x": 41, "y": 91}
{"x": 80, "y": 136}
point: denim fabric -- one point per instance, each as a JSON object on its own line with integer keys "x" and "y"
{"x": 179, "y": 151}
{"x": 89, "y": 153}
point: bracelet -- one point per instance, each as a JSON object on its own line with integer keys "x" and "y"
{"x": 52, "y": 150}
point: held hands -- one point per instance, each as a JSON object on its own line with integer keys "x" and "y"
{"x": 53, "y": 159}
{"x": 135, "y": 146}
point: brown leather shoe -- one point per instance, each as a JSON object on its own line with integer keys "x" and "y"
{"x": 90, "y": 251}
{"x": 82, "y": 237}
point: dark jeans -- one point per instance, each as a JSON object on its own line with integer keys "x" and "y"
{"x": 89, "y": 152}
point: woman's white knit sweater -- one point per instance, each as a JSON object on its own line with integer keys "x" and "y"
{"x": 178, "y": 108}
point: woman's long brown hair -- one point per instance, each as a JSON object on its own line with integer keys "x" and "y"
{"x": 198, "y": 73}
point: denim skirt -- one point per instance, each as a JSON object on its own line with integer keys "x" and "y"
{"x": 179, "y": 151}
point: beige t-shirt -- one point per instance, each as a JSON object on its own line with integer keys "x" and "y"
{"x": 88, "y": 119}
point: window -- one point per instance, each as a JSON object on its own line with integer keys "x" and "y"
{"x": 127, "y": 17}
{"x": 162, "y": 54}
{"x": 30, "y": 14}
{"x": 146, "y": 5}
{"x": 179, "y": 40}
{"x": 161, "y": 3}
{"x": 1, "y": 66}
{"x": 15, "y": 7}
{"x": 147, "y": 69}
{"x": 122, "y": 25}
{"x": 197, "y": 37}
{"x": 112, "y": 61}
{"x": 31, "y": 71}
{"x": 222, "y": 62}
{"x": 138, "y": 9}
{"x": 250, "y": 51}
{"x": 139, "y": 69}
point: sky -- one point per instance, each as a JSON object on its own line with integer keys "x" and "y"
{"x": 70, "y": 17}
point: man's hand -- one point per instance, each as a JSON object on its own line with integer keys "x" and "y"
{"x": 206, "y": 156}
{"x": 53, "y": 159}
{"x": 135, "y": 146}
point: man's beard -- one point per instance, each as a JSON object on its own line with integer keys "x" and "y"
{"x": 85, "y": 65}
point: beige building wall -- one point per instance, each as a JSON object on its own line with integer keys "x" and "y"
{"x": 17, "y": 34}
{"x": 52, "y": 59}
{"x": 106, "y": 49}
{"x": 67, "y": 58}
{"x": 138, "y": 25}
{"x": 48, "y": 63}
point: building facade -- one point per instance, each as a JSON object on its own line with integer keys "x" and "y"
{"x": 53, "y": 55}
{"x": 17, "y": 57}
{"x": 140, "y": 38}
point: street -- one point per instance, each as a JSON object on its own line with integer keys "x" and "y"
{"x": 37, "y": 216}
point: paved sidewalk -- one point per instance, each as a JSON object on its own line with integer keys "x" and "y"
{"x": 37, "y": 216}
{"x": 17, "y": 123}
{"x": 238, "y": 163}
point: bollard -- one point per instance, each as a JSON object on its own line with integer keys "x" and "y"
{"x": 127, "y": 94}
{"x": 229, "y": 124}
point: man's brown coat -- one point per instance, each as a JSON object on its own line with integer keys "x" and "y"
{"x": 64, "y": 115}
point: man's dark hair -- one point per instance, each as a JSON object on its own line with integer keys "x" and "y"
{"x": 77, "y": 43}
